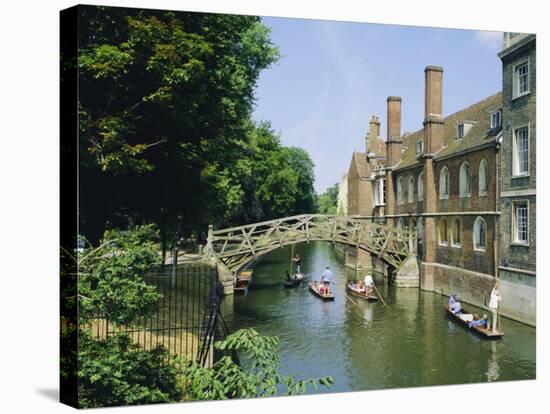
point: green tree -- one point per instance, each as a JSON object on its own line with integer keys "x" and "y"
{"x": 328, "y": 201}
{"x": 165, "y": 102}
{"x": 112, "y": 370}
{"x": 282, "y": 178}
{"x": 260, "y": 377}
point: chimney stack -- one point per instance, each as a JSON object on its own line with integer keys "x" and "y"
{"x": 433, "y": 104}
{"x": 374, "y": 127}
{"x": 394, "y": 144}
{"x": 374, "y": 132}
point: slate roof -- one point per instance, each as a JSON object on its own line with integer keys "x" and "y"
{"x": 478, "y": 134}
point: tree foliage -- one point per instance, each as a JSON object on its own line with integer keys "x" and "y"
{"x": 260, "y": 377}
{"x": 114, "y": 371}
{"x": 328, "y": 201}
{"x": 165, "y": 124}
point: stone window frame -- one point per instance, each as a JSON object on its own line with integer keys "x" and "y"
{"x": 483, "y": 177}
{"x": 476, "y": 239}
{"x": 491, "y": 118}
{"x": 515, "y": 241}
{"x": 399, "y": 191}
{"x": 420, "y": 186}
{"x": 463, "y": 191}
{"x": 515, "y": 79}
{"x": 444, "y": 195}
{"x": 410, "y": 189}
{"x": 379, "y": 192}
{"x": 443, "y": 238}
{"x": 458, "y": 243}
{"x": 419, "y": 146}
{"x": 515, "y": 167}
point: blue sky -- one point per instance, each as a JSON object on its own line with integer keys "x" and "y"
{"x": 333, "y": 76}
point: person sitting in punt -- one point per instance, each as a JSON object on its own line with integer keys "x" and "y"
{"x": 477, "y": 321}
{"x": 287, "y": 276}
{"x": 480, "y": 322}
{"x": 452, "y": 299}
{"x": 321, "y": 288}
{"x": 456, "y": 307}
{"x": 361, "y": 287}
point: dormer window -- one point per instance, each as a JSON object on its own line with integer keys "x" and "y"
{"x": 463, "y": 128}
{"x": 496, "y": 119}
{"x": 460, "y": 131}
{"x": 419, "y": 147}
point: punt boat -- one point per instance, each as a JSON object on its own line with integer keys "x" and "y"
{"x": 465, "y": 318}
{"x": 315, "y": 290}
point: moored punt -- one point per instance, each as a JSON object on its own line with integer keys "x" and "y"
{"x": 244, "y": 278}
{"x": 465, "y": 318}
{"x": 295, "y": 281}
{"x": 315, "y": 291}
{"x": 362, "y": 295}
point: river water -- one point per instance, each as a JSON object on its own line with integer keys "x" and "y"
{"x": 364, "y": 346}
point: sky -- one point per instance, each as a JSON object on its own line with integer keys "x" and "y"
{"x": 332, "y": 76}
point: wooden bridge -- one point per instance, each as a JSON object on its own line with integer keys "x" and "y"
{"x": 235, "y": 247}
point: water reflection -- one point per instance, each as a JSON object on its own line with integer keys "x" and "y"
{"x": 493, "y": 369}
{"x": 410, "y": 342}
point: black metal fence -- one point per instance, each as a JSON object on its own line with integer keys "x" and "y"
{"x": 186, "y": 320}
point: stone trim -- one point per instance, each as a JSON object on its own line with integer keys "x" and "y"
{"x": 520, "y": 193}
{"x": 516, "y": 270}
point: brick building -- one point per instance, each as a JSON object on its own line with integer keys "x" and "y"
{"x": 517, "y": 265}
{"x": 450, "y": 180}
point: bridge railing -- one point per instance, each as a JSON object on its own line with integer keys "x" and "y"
{"x": 236, "y": 246}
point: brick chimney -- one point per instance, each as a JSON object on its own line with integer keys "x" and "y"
{"x": 433, "y": 103}
{"x": 394, "y": 144}
{"x": 374, "y": 132}
{"x": 433, "y": 142}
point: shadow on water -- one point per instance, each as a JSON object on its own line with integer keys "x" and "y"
{"x": 364, "y": 345}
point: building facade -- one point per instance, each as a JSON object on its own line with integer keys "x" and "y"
{"x": 517, "y": 265}
{"x": 464, "y": 184}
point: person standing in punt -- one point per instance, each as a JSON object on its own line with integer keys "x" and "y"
{"x": 493, "y": 305}
{"x": 369, "y": 284}
{"x": 298, "y": 261}
{"x": 326, "y": 278}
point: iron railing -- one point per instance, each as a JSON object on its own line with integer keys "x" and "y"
{"x": 186, "y": 319}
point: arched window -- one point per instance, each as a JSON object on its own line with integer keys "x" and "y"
{"x": 400, "y": 190}
{"x": 443, "y": 233}
{"x": 465, "y": 179}
{"x": 444, "y": 183}
{"x": 456, "y": 233}
{"x": 410, "y": 194}
{"x": 421, "y": 186}
{"x": 480, "y": 234}
{"x": 483, "y": 179}
{"x": 400, "y": 223}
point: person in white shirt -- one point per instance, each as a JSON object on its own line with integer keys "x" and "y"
{"x": 369, "y": 283}
{"x": 493, "y": 305}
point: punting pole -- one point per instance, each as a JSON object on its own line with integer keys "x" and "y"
{"x": 378, "y": 293}
{"x": 291, "y": 258}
